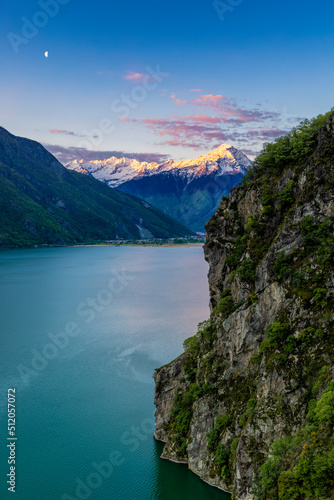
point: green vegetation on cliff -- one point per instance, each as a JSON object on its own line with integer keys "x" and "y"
{"x": 268, "y": 351}
{"x": 302, "y": 467}
{"x": 292, "y": 149}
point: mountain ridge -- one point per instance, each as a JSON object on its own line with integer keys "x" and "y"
{"x": 188, "y": 190}
{"x": 110, "y": 169}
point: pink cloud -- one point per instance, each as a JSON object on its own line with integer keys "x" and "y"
{"x": 155, "y": 121}
{"x": 124, "y": 119}
{"x": 66, "y": 132}
{"x": 184, "y": 130}
{"x": 203, "y": 119}
{"x": 229, "y": 111}
{"x": 226, "y": 121}
{"x": 195, "y": 90}
{"x": 134, "y": 76}
{"x": 66, "y": 154}
{"x": 178, "y": 102}
{"x": 239, "y": 115}
{"x": 176, "y": 142}
{"x": 209, "y": 100}
{"x": 207, "y": 131}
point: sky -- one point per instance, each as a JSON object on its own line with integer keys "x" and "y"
{"x": 158, "y": 80}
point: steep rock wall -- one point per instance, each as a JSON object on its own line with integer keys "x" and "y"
{"x": 248, "y": 376}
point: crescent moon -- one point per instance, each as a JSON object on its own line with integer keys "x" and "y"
{"x": 46, "y": 54}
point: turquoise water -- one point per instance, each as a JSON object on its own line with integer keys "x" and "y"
{"x": 80, "y": 338}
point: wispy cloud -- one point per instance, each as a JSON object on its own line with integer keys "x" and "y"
{"x": 64, "y": 154}
{"x": 178, "y": 102}
{"x": 209, "y": 100}
{"x": 250, "y": 152}
{"x": 63, "y": 132}
{"x": 226, "y": 120}
{"x": 68, "y": 132}
{"x": 135, "y": 76}
{"x": 203, "y": 119}
{"x": 221, "y": 120}
{"x": 205, "y": 131}
{"x": 196, "y": 90}
{"x": 184, "y": 130}
{"x": 227, "y": 109}
{"x": 267, "y": 134}
{"x": 176, "y": 142}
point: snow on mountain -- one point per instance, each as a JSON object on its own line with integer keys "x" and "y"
{"x": 115, "y": 171}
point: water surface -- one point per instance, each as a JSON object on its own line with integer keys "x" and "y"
{"x": 90, "y": 400}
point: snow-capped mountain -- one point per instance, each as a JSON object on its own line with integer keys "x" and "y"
{"x": 115, "y": 171}
{"x": 189, "y": 190}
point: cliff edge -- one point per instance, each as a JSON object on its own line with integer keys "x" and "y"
{"x": 249, "y": 405}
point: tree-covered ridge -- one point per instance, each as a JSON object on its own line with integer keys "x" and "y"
{"x": 291, "y": 149}
{"x": 275, "y": 177}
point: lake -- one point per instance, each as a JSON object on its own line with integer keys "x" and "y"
{"x": 82, "y": 330}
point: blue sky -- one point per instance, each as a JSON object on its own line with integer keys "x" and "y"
{"x": 158, "y": 79}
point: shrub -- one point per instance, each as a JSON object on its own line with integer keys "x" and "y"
{"x": 324, "y": 410}
{"x": 191, "y": 345}
{"x": 284, "y": 271}
{"x": 222, "y": 456}
{"x": 320, "y": 297}
{"x": 298, "y": 279}
{"x": 249, "y": 413}
{"x": 307, "y": 335}
{"x": 319, "y": 240}
{"x": 225, "y": 306}
{"x": 282, "y": 266}
{"x": 212, "y": 438}
{"x": 288, "y": 486}
{"x": 234, "y": 446}
{"x": 240, "y": 246}
{"x": 206, "y": 330}
{"x": 223, "y": 421}
{"x": 182, "y": 411}
{"x": 182, "y": 421}
{"x": 302, "y": 468}
{"x": 285, "y": 198}
{"x": 276, "y": 335}
{"x": 267, "y": 200}
{"x": 247, "y": 271}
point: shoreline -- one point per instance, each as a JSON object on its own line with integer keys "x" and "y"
{"x": 140, "y": 245}
{"x": 165, "y": 245}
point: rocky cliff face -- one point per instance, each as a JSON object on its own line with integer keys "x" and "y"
{"x": 250, "y": 374}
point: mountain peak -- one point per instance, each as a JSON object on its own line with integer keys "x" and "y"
{"x": 222, "y": 151}
{"x": 116, "y": 171}
{"x": 222, "y": 148}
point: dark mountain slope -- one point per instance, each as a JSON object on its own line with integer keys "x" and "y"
{"x": 41, "y": 202}
{"x": 192, "y": 203}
